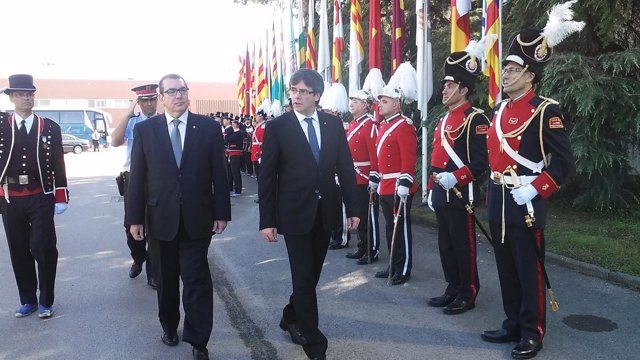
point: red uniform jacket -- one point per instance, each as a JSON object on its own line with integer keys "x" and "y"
{"x": 396, "y": 150}
{"x": 256, "y": 142}
{"x": 362, "y": 135}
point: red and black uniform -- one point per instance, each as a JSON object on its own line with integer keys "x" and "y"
{"x": 459, "y": 147}
{"x": 362, "y": 135}
{"x": 527, "y": 144}
{"x": 396, "y": 151}
{"x": 33, "y": 179}
{"x": 235, "y": 152}
{"x": 256, "y": 146}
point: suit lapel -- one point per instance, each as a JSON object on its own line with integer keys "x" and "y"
{"x": 190, "y": 135}
{"x": 296, "y": 127}
{"x": 162, "y": 134}
{"x": 324, "y": 136}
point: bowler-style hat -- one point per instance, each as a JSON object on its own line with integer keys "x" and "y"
{"x": 20, "y": 82}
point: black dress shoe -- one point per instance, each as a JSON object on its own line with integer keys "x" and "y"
{"x": 365, "y": 259}
{"x": 294, "y": 332}
{"x": 356, "y": 255}
{"x": 170, "y": 339}
{"x": 526, "y": 349}
{"x": 398, "y": 279}
{"x": 500, "y": 336}
{"x": 382, "y": 274}
{"x": 458, "y": 306}
{"x": 135, "y": 270}
{"x": 257, "y": 201}
{"x": 200, "y": 353}
{"x": 321, "y": 357}
{"x": 337, "y": 246}
{"x": 441, "y": 301}
{"x": 152, "y": 282}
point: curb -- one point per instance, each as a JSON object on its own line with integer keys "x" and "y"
{"x": 629, "y": 281}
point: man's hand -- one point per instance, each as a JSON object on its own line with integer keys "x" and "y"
{"x": 353, "y": 223}
{"x": 270, "y": 234}
{"x": 402, "y": 192}
{"x": 524, "y": 194}
{"x": 132, "y": 107}
{"x": 60, "y": 208}
{"x": 219, "y": 226}
{"x": 447, "y": 180}
{"x": 373, "y": 186}
{"x": 137, "y": 231}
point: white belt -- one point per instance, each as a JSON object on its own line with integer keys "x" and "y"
{"x": 509, "y": 180}
{"x": 256, "y": 143}
{"x": 394, "y": 175}
{"x": 362, "y": 163}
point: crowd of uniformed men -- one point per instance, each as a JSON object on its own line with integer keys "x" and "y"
{"x": 524, "y": 151}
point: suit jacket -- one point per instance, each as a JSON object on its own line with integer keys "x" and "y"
{"x": 291, "y": 181}
{"x": 197, "y": 191}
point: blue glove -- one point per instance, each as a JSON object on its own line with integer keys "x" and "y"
{"x": 60, "y": 208}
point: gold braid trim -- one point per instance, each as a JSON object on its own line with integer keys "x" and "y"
{"x": 523, "y": 127}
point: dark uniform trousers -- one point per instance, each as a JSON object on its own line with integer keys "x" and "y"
{"x": 306, "y": 256}
{"x": 184, "y": 258}
{"x": 402, "y": 251}
{"x": 138, "y": 249}
{"x": 457, "y": 244}
{"x": 521, "y": 281}
{"x": 374, "y": 232}
{"x": 235, "y": 178}
{"x": 31, "y": 235}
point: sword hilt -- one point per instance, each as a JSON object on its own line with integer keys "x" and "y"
{"x": 528, "y": 220}
{"x": 555, "y": 306}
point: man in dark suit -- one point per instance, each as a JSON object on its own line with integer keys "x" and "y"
{"x": 186, "y": 200}
{"x": 301, "y": 153}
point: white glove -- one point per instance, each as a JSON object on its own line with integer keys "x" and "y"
{"x": 447, "y": 180}
{"x": 402, "y": 192}
{"x": 429, "y": 201}
{"x": 373, "y": 186}
{"x": 524, "y": 194}
{"x": 60, "y": 208}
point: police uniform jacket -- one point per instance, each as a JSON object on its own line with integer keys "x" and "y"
{"x": 396, "y": 151}
{"x": 465, "y": 130}
{"x": 362, "y": 135}
{"x": 533, "y": 127}
{"x": 48, "y": 152}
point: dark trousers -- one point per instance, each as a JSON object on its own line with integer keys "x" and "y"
{"x": 247, "y": 163}
{"x": 402, "y": 249}
{"x": 340, "y": 235}
{"x": 137, "y": 248}
{"x": 96, "y": 145}
{"x": 368, "y": 220}
{"x": 521, "y": 280}
{"x": 235, "y": 180}
{"x": 31, "y": 235}
{"x": 457, "y": 245}
{"x": 184, "y": 258}
{"x": 256, "y": 167}
{"x": 306, "y": 256}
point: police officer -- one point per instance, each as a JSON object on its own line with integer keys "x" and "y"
{"x": 361, "y": 135}
{"x": 529, "y": 158}
{"x": 396, "y": 147}
{"x": 147, "y": 100}
{"x": 34, "y": 188}
{"x": 459, "y": 157}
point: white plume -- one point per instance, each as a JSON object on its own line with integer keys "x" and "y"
{"x": 265, "y": 106}
{"x": 276, "y": 108}
{"x": 327, "y": 85}
{"x": 561, "y": 24}
{"x": 373, "y": 82}
{"x": 478, "y": 49}
{"x": 336, "y": 98}
{"x": 406, "y": 79}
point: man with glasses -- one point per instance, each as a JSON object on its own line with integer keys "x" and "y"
{"x": 34, "y": 188}
{"x": 302, "y": 151}
{"x": 179, "y": 189}
{"x": 529, "y": 157}
{"x": 147, "y": 100}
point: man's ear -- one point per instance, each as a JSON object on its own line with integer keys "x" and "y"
{"x": 463, "y": 90}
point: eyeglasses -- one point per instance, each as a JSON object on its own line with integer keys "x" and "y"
{"x": 173, "y": 92}
{"x": 302, "y": 92}
{"x": 512, "y": 70}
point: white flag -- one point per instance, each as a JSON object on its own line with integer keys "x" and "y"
{"x": 356, "y": 48}
{"x": 424, "y": 63}
{"x": 324, "y": 50}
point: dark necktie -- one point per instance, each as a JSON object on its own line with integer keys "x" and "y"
{"x": 176, "y": 141}
{"x": 23, "y": 128}
{"x": 313, "y": 139}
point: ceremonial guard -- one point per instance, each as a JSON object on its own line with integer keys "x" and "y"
{"x": 459, "y": 157}
{"x": 529, "y": 157}
{"x": 234, "y": 142}
{"x": 396, "y": 148}
{"x": 256, "y": 142}
{"x": 362, "y": 135}
{"x": 247, "y": 165}
{"x": 147, "y": 100}
{"x": 34, "y": 188}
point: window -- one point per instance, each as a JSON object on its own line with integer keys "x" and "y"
{"x": 53, "y": 115}
{"x": 71, "y": 117}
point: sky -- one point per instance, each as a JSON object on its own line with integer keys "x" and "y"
{"x": 128, "y": 39}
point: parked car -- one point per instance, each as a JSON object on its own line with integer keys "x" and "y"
{"x": 74, "y": 144}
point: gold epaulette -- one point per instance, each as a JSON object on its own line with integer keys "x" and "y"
{"x": 476, "y": 110}
{"x": 546, "y": 99}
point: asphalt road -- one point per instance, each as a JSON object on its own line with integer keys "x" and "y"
{"x": 102, "y": 314}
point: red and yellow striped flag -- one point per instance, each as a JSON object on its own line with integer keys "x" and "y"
{"x": 397, "y": 34}
{"x": 262, "y": 92}
{"x": 311, "y": 38}
{"x": 491, "y": 17}
{"x": 356, "y": 47}
{"x": 460, "y": 24}
{"x": 241, "y": 83}
{"x": 375, "y": 35}
{"x": 338, "y": 42}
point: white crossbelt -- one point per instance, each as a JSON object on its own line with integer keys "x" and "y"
{"x": 362, "y": 163}
{"x": 452, "y": 154}
{"x": 535, "y": 167}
